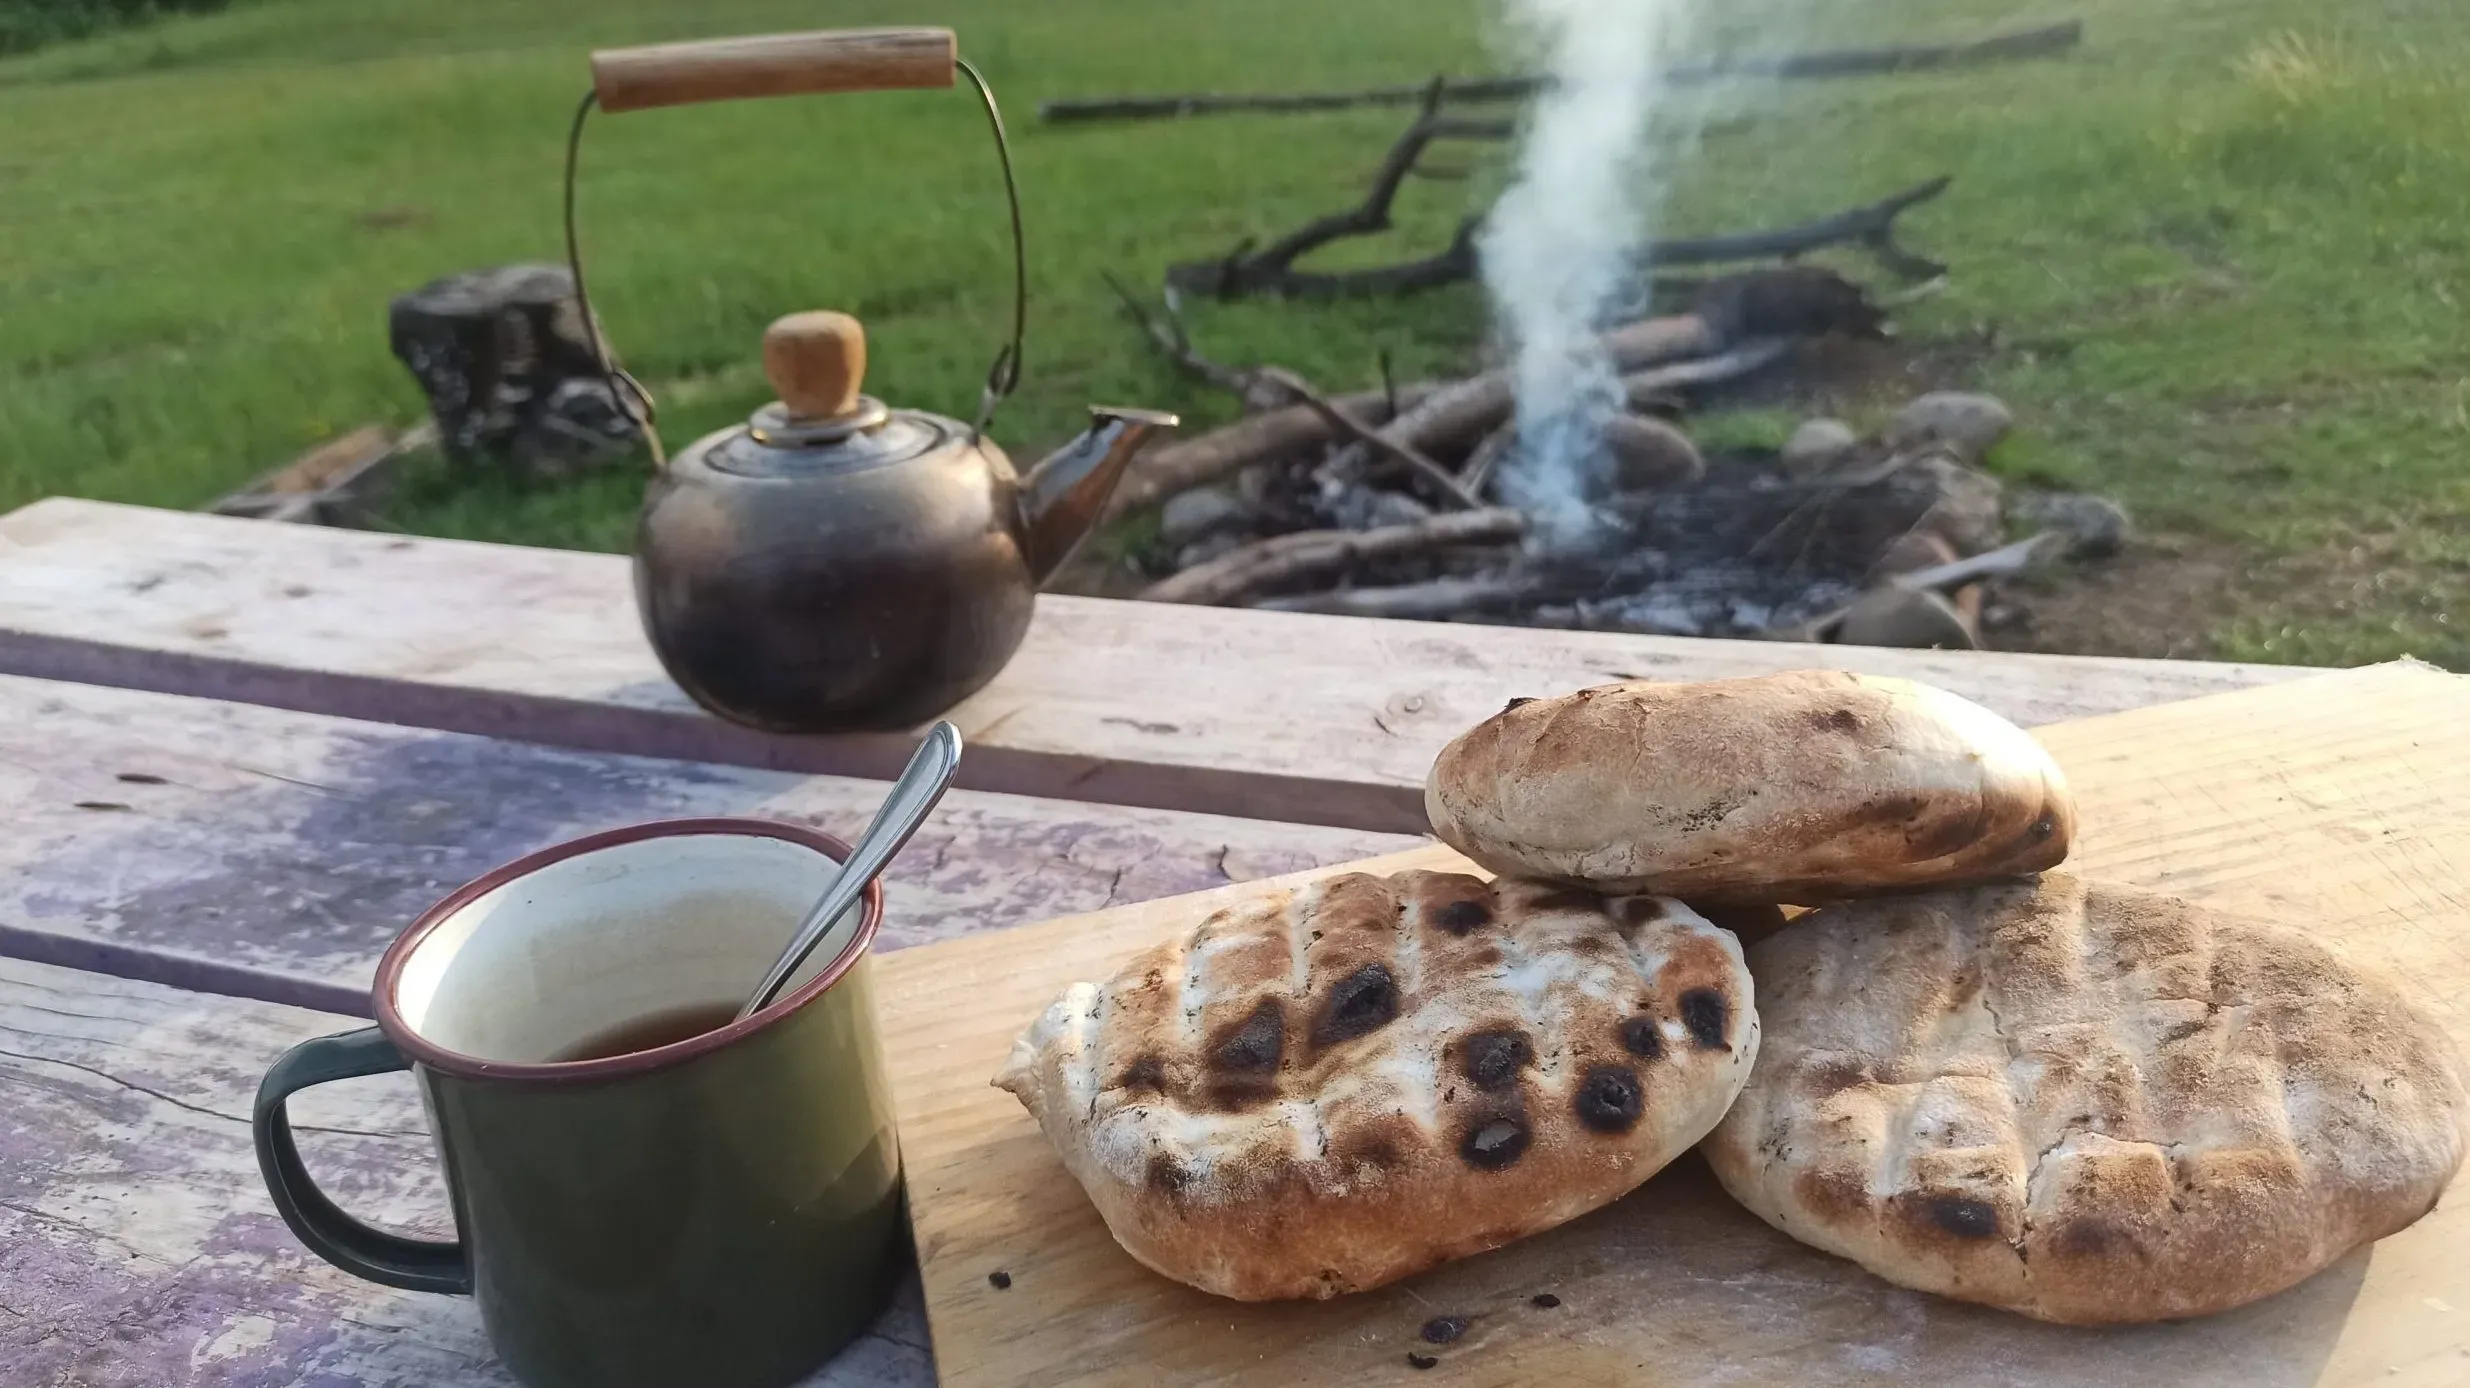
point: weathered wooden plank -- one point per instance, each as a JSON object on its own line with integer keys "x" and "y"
{"x": 1311, "y": 719}
{"x": 273, "y": 854}
{"x": 2341, "y": 805}
{"x": 138, "y": 1249}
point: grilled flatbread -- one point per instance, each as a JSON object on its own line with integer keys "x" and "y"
{"x": 2084, "y": 1102}
{"x": 1329, "y": 1088}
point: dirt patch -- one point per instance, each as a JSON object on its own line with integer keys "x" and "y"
{"x": 2163, "y": 597}
{"x": 2190, "y": 597}
{"x": 1843, "y": 375}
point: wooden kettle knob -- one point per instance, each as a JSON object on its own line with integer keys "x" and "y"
{"x": 817, "y": 362}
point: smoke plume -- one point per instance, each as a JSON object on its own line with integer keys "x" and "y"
{"x": 1559, "y": 251}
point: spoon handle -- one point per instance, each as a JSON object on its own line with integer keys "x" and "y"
{"x": 913, "y": 796}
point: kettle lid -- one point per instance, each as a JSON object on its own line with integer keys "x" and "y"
{"x": 822, "y": 422}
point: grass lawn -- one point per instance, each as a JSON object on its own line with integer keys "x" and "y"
{"x": 2218, "y": 258}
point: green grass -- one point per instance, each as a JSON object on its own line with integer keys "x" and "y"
{"x": 2218, "y": 258}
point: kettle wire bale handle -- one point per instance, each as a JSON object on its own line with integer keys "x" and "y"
{"x": 823, "y": 60}
{"x": 827, "y": 60}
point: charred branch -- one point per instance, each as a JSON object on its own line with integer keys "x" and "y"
{"x": 1243, "y": 272}
{"x": 2041, "y": 42}
{"x": 1442, "y": 479}
{"x": 1293, "y": 416}
{"x": 1221, "y": 453}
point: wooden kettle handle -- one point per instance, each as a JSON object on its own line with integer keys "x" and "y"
{"x": 825, "y": 60}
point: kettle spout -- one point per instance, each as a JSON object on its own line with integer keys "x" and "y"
{"x": 1062, "y": 497}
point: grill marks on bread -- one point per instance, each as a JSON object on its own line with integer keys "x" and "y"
{"x": 2084, "y": 1102}
{"x": 1431, "y": 1063}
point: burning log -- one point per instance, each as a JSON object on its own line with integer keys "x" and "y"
{"x": 1221, "y": 453}
{"x": 1311, "y": 554}
{"x": 1369, "y": 437}
{"x": 2027, "y": 43}
{"x": 1657, "y": 355}
{"x": 1293, "y": 416}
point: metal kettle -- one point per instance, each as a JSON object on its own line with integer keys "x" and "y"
{"x": 835, "y": 564}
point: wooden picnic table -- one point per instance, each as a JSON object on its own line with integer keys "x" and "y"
{"x": 236, "y": 757}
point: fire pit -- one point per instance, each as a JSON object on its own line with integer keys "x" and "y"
{"x": 1415, "y": 509}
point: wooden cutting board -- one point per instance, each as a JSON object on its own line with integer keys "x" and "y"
{"x": 2339, "y": 803}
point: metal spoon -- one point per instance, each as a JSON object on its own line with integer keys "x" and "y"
{"x": 921, "y": 784}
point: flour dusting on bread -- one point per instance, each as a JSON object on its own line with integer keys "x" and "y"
{"x": 1327, "y": 1088}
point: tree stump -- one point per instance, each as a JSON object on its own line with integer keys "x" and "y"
{"x": 504, "y": 359}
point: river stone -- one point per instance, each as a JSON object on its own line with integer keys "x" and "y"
{"x": 1387, "y": 508}
{"x": 1649, "y": 455}
{"x": 504, "y": 357}
{"x": 1816, "y": 445}
{"x": 1965, "y": 504}
{"x": 2096, "y": 527}
{"x": 1963, "y": 423}
{"x": 1911, "y": 619}
{"x": 1200, "y": 513}
{"x": 1201, "y": 551}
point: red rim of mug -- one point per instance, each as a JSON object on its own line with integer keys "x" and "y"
{"x": 436, "y": 1057}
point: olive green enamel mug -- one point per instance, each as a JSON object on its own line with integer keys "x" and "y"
{"x": 646, "y": 1194}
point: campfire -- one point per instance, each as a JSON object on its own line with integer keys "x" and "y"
{"x": 1386, "y": 503}
{"x": 1560, "y": 486}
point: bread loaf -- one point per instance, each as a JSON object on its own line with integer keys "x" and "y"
{"x": 2083, "y": 1102}
{"x": 1794, "y": 788}
{"x": 1329, "y": 1088}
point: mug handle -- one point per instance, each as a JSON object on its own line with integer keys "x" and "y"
{"x": 413, "y": 1264}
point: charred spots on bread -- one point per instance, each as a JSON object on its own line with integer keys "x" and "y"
{"x": 1642, "y": 1037}
{"x": 1375, "y": 1151}
{"x": 1492, "y": 1059}
{"x": 1463, "y": 917}
{"x": 1147, "y": 1075}
{"x": 1835, "y": 720}
{"x": 1495, "y": 1143}
{"x": 2086, "y": 1237}
{"x": 1707, "y": 1015}
{"x": 1901, "y": 808}
{"x": 1520, "y": 702}
{"x": 1926, "y": 837}
{"x": 1253, "y": 1045}
{"x": 1832, "y": 1192}
{"x": 1640, "y": 911}
{"x": 1497, "y": 1134}
{"x": 1243, "y": 1060}
{"x": 1359, "y": 1004}
{"x": 1609, "y": 1099}
{"x": 1965, "y": 1218}
{"x": 1166, "y": 1175}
